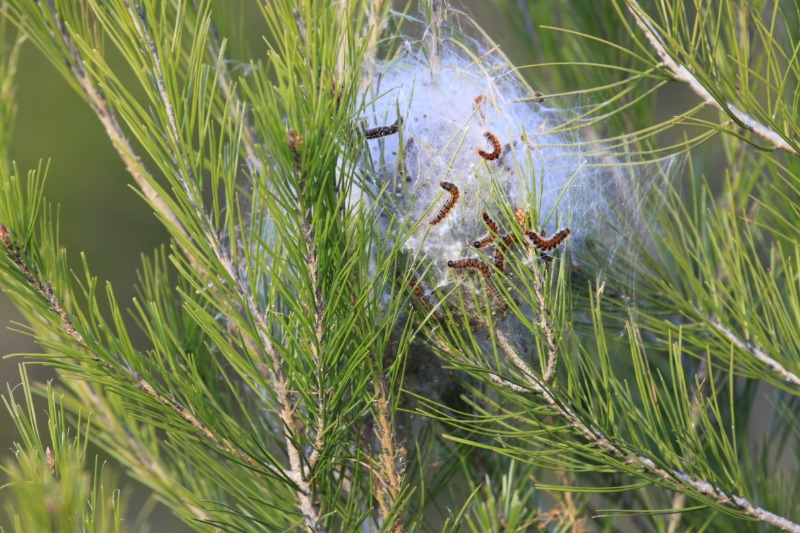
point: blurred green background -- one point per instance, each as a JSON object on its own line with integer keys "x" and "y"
{"x": 101, "y": 216}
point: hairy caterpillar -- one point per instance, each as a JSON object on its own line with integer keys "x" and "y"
{"x": 497, "y": 149}
{"x": 448, "y": 206}
{"x": 486, "y": 274}
{"x": 547, "y": 244}
{"x": 492, "y": 225}
{"x": 424, "y": 298}
{"x": 500, "y": 253}
{"x": 383, "y": 131}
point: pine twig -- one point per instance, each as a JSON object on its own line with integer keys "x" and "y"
{"x": 45, "y": 290}
{"x": 546, "y": 328}
{"x": 297, "y": 472}
{"x": 679, "y": 500}
{"x": 756, "y": 352}
{"x": 669, "y": 476}
{"x": 392, "y": 457}
{"x": 229, "y": 92}
{"x": 682, "y": 74}
{"x": 97, "y": 101}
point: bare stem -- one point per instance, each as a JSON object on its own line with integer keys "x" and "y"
{"x": 392, "y": 456}
{"x": 682, "y": 74}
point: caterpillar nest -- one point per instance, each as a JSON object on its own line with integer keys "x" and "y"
{"x": 485, "y": 175}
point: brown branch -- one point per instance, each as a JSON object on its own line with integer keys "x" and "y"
{"x": 682, "y": 74}
{"x": 392, "y": 456}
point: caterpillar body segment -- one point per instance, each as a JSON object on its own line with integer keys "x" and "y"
{"x": 423, "y": 297}
{"x": 485, "y": 272}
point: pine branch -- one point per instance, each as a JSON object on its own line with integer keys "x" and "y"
{"x": 97, "y": 101}
{"x": 391, "y": 460}
{"x": 44, "y": 289}
{"x": 756, "y": 352}
{"x": 648, "y": 466}
{"x": 682, "y": 74}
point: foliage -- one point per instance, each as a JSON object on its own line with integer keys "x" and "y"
{"x": 289, "y": 382}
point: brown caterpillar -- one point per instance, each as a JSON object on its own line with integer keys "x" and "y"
{"x": 497, "y": 149}
{"x": 470, "y": 264}
{"x": 383, "y": 131}
{"x": 486, "y": 274}
{"x": 500, "y": 253}
{"x": 492, "y": 225}
{"x": 423, "y": 297}
{"x": 448, "y": 206}
{"x": 547, "y": 244}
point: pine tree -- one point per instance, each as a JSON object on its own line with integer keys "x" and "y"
{"x": 410, "y": 286}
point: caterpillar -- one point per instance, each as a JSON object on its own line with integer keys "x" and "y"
{"x": 547, "y": 244}
{"x": 500, "y": 253}
{"x": 492, "y": 225}
{"x": 423, "y": 297}
{"x": 486, "y": 274}
{"x": 448, "y": 206}
{"x": 383, "y": 131}
{"x": 497, "y": 149}
{"x": 470, "y": 264}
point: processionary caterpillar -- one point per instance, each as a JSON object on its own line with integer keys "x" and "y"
{"x": 383, "y": 131}
{"x": 448, "y": 206}
{"x": 499, "y": 254}
{"x": 423, "y": 297}
{"x": 492, "y": 225}
{"x": 547, "y": 244}
{"x": 497, "y": 149}
{"x": 402, "y": 162}
{"x": 486, "y": 274}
